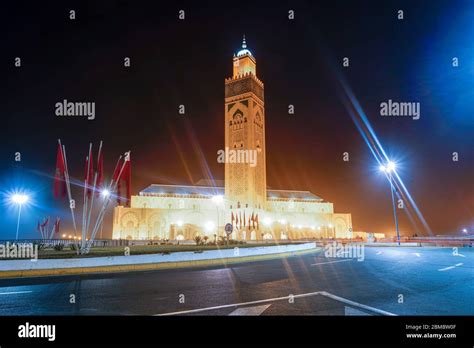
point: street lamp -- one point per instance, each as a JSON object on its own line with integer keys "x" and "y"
{"x": 20, "y": 200}
{"x": 388, "y": 169}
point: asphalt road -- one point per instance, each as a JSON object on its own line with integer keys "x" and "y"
{"x": 399, "y": 281}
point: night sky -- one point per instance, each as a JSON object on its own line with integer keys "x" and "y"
{"x": 177, "y": 62}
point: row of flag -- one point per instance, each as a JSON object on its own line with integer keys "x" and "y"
{"x": 242, "y": 222}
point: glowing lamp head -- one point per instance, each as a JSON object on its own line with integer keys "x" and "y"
{"x": 19, "y": 199}
{"x": 464, "y": 230}
{"x": 209, "y": 226}
{"x": 267, "y": 221}
{"x": 390, "y": 167}
{"x": 179, "y": 223}
{"x": 105, "y": 193}
{"x": 218, "y": 199}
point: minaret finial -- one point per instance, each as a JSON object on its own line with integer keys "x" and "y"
{"x": 244, "y": 44}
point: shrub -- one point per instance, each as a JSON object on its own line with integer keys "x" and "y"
{"x": 198, "y": 239}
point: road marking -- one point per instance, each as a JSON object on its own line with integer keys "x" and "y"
{"x": 378, "y": 253}
{"x": 349, "y": 311}
{"x": 255, "y": 310}
{"x": 324, "y": 263}
{"x": 356, "y": 304}
{"x": 446, "y": 268}
{"x": 15, "y": 292}
{"x": 322, "y": 293}
{"x": 450, "y": 267}
{"x": 416, "y": 254}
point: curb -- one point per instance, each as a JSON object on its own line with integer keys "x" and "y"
{"x": 147, "y": 266}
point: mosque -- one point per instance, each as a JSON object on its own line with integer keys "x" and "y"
{"x": 180, "y": 212}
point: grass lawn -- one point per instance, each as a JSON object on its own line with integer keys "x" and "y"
{"x": 50, "y": 253}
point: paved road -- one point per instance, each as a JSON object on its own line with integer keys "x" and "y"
{"x": 432, "y": 281}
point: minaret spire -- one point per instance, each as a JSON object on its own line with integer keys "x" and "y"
{"x": 244, "y": 44}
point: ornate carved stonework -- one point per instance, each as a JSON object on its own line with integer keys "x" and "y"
{"x": 242, "y": 86}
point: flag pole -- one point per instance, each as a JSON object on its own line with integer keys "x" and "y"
{"x": 85, "y": 202}
{"x": 94, "y": 188}
{"x": 68, "y": 187}
{"x": 83, "y": 243}
{"x": 106, "y": 203}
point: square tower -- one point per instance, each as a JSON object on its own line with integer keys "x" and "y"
{"x": 245, "y": 184}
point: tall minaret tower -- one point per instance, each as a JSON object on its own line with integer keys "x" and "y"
{"x": 245, "y": 185}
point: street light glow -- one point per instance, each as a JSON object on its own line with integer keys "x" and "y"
{"x": 209, "y": 226}
{"x": 105, "y": 193}
{"x": 390, "y": 167}
{"x": 267, "y": 221}
{"x": 218, "y": 199}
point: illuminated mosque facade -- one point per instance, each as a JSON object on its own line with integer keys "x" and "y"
{"x": 180, "y": 212}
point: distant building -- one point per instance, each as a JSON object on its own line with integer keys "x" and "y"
{"x": 180, "y": 212}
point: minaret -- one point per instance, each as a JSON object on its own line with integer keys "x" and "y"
{"x": 245, "y": 185}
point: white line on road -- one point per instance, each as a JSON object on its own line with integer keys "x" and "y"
{"x": 323, "y": 263}
{"x": 355, "y": 304}
{"x": 378, "y": 253}
{"x": 322, "y": 293}
{"x": 255, "y": 310}
{"x": 446, "y": 268}
{"x": 450, "y": 267}
{"x": 416, "y": 254}
{"x": 15, "y": 292}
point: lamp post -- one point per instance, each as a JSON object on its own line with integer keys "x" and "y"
{"x": 388, "y": 169}
{"x": 218, "y": 200}
{"x": 20, "y": 200}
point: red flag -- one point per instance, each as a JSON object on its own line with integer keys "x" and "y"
{"x": 244, "y": 218}
{"x": 253, "y": 220}
{"x": 59, "y": 176}
{"x": 237, "y": 220}
{"x": 256, "y": 220}
{"x": 46, "y": 220}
